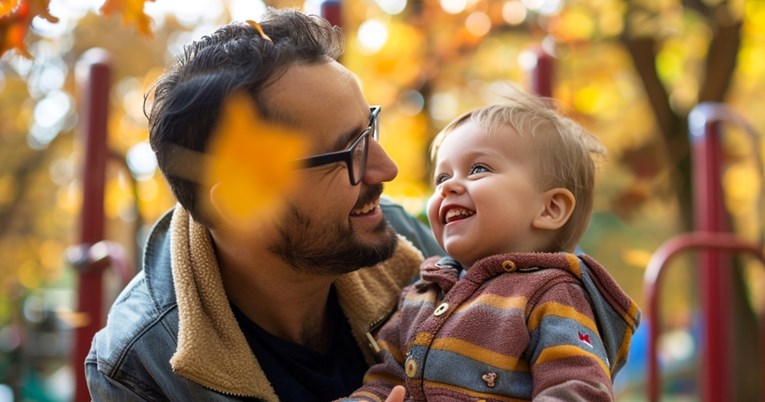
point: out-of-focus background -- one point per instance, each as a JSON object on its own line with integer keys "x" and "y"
{"x": 639, "y": 74}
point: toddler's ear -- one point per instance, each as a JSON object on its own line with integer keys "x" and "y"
{"x": 558, "y": 205}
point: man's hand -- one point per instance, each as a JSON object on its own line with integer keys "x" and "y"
{"x": 397, "y": 394}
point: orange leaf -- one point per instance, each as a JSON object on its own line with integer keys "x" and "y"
{"x": 251, "y": 163}
{"x": 15, "y": 17}
{"x": 13, "y": 38}
{"x": 132, "y": 14}
{"x": 8, "y": 6}
{"x": 40, "y": 8}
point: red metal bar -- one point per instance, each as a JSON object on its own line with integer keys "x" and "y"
{"x": 330, "y": 10}
{"x": 654, "y": 273}
{"x": 715, "y": 269}
{"x": 542, "y": 74}
{"x": 94, "y": 74}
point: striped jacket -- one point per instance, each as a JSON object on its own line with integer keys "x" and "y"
{"x": 514, "y": 327}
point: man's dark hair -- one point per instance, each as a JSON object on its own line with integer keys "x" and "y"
{"x": 187, "y": 100}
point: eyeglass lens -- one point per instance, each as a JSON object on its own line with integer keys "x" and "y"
{"x": 359, "y": 158}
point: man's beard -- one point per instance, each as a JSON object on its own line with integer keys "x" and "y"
{"x": 312, "y": 246}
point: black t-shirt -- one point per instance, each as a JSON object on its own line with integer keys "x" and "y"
{"x": 300, "y": 374}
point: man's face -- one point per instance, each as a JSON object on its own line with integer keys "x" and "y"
{"x": 331, "y": 226}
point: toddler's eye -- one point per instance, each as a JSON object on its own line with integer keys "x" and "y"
{"x": 441, "y": 178}
{"x": 478, "y": 169}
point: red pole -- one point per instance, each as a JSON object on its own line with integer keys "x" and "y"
{"x": 542, "y": 72}
{"x": 330, "y": 10}
{"x": 94, "y": 74}
{"x": 715, "y": 269}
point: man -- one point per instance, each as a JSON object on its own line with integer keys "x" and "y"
{"x": 282, "y": 314}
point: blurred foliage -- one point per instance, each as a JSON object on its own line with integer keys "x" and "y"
{"x": 629, "y": 71}
{"x": 132, "y": 13}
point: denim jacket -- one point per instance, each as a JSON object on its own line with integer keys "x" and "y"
{"x": 130, "y": 358}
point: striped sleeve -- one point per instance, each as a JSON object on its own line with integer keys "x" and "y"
{"x": 567, "y": 356}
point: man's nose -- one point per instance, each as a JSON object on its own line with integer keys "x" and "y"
{"x": 380, "y": 167}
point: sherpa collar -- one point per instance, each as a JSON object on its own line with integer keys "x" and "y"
{"x": 213, "y": 351}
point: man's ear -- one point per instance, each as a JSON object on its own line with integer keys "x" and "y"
{"x": 213, "y": 201}
{"x": 215, "y": 207}
{"x": 558, "y": 206}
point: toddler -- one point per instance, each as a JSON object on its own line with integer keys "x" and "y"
{"x": 512, "y": 313}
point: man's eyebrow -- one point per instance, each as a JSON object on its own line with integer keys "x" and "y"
{"x": 345, "y": 139}
{"x": 340, "y": 144}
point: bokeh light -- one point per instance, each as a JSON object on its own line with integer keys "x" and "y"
{"x": 372, "y": 36}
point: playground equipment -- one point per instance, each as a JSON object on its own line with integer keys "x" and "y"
{"x": 713, "y": 240}
{"x": 93, "y": 254}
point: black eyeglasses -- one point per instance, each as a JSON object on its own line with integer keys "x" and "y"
{"x": 355, "y": 157}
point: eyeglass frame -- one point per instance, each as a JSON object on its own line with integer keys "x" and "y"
{"x": 346, "y": 155}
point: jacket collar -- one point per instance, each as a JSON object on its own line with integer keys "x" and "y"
{"x": 207, "y": 325}
{"x": 156, "y": 264}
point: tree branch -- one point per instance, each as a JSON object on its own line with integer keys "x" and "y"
{"x": 643, "y": 54}
{"x": 721, "y": 62}
{"x": 22, "y": 174}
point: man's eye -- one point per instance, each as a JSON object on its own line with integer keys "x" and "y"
{"x": 478, "y": 169}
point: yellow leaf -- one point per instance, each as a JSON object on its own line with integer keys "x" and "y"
{"x": 251, "y": 164}
{"x": 132, "y": 14}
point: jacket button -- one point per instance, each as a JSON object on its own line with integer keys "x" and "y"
{"x": 490, "y": 379}
{"x": 410, "y": 366}
{"x": 508, "y": 266}
{"x": 441, "y": 309}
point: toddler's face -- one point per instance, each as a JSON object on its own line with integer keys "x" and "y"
{"x": 486, "y": 194}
